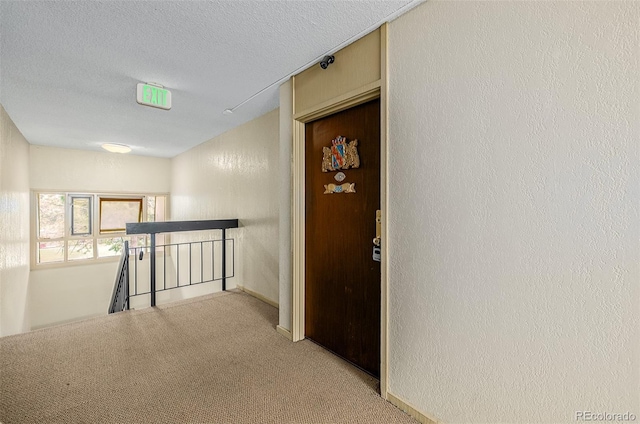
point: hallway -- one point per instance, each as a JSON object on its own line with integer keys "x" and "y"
{"x": 509, "y": 197}
{"x": 213, "y": 359}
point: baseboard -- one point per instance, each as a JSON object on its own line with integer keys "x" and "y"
{"x": 66, "y": 321}
{"x": 281, "y": 330}
{"x": 411, "y": 410}
{"x": 258, "y": 296}
{"x": 284, "y": 332}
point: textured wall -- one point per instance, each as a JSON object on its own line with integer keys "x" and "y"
{"x": 68, "y": 169}
{"x": 514, "y": 210}
{"x": 14, "y": 228}
{"x": 355, "y": 65}
{"x": 284, "y": 189}
{"x": 60, "y": 295}
{"x": 80, "y": 291}
{"x": 235, "y": 175}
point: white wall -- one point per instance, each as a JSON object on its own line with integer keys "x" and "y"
{"x": 235, "y": 175}
{"x": 514, "y": 210}
{"x": 14, "y": 228}
{"x": 60, "y": 295}
{"x": 81, "y": 291}
{"x": 53, "y": 168}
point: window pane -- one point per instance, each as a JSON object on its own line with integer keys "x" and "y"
{"x": 50, "y": 251}
{"x": 160, "y": 207}
{"x": 151, "y": 208}
{"x": 115, "y": 213}
{"x": 138, "y": 241}
{"x": 80, "y": 249}
{"x": 80, "y": 215}
{"x": 50, "y": 216}
{"x": 110, "y": 246}
{"x": 113, "y": 246}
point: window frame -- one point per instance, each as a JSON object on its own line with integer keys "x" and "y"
{"x": 95, "y": 234}
{"x": 140, "y": 200}
{"x": 71, "y": 213}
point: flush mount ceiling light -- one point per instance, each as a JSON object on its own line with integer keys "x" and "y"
{"x": 116, "y": 148}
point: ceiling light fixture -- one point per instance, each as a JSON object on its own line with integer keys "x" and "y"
{"x": 116, "y": 148}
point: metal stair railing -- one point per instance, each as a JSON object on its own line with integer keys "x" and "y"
{"x": 120, "y": 295}
{"x": 122, "y": 292}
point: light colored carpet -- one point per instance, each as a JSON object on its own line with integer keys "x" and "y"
{"x": 215, "y": 359}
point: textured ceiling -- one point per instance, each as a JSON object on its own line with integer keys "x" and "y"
{"x": 69, "y": 69}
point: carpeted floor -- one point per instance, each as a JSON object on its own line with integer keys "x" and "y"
{"x": 215, "y": 359}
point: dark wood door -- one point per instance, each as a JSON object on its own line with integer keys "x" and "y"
{"x": 342, "y": 281}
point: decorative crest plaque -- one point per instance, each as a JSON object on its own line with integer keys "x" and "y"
{"x": 341, "y": 155}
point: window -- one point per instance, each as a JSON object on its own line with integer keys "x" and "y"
{"x": 66, "y": 224}
{"x": 115, "y": 213}
{"x": 80, "y": 215}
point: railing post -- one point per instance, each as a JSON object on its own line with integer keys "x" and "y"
{"x": 224, "y": 260}
{"x": 152, "y": 264}
{"x": 126, "y": 275}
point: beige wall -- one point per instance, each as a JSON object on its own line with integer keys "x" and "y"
{"x": 81, "y": 291}
{"x": 53, "y": 168}
{"x": 514, "y": 210}
{"x": 14, "y": 228}
{"x": 60, "y": 295}
{"x": 235, "y": 175}
{"x": 355, "y": 66}
{"x": 285, "y": 192}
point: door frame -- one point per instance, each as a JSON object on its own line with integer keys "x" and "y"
{"x": 375, "y": 90}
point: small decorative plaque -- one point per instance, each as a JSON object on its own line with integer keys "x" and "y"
{"x": 344, "y": 188}
{"x": 340, "y": 177}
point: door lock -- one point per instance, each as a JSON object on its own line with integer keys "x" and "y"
{"x": 376, "y": 254}
{"x": 376, "y": 241}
